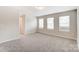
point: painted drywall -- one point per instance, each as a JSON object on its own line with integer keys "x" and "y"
{"x": 30, "y": 24}
{"x": 9, "y": 22}
{"x": 73, "y": 27}
{"x": 78, "y": 27}
{"x": 30, "y": 20}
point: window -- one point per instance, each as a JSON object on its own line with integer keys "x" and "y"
{"x": 50, "y": 23}
{"x": 64, "y": 23}
{"x": 41, "y": 23}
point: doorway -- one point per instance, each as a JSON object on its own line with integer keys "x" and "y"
{"x": 22, "y": 24}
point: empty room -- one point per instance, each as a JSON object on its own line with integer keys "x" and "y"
{"x": 39, "y": 29}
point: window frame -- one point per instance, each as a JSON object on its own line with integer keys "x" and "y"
{"x": 65, "y": 24}
{"x": 53, "y": 23}
{"x": 39, "y": 23}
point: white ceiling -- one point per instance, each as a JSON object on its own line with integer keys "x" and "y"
{"x": 50, "y": 9}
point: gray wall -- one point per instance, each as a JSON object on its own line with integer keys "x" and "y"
{"x": 73, "y": 26}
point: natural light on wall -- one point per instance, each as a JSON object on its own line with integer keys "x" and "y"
{"x": 64, "y": 23}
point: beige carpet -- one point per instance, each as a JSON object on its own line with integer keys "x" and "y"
{"x": 39, "y": 43}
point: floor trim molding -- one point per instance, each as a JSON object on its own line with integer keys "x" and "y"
{"x": 15, "y": 38}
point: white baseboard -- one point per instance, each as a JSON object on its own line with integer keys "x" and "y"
{"x": 59, "y": 36}
{"x": 14, "y": 38}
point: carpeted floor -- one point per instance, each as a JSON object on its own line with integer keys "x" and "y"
{"x": 39, "y": 43}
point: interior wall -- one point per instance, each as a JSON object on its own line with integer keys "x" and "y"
{"x": 73, "y": 26}
{"x": 8, "y": 23}
{"x": 30, "y": 20}
{"x": 30, "y": 24}
{"x": 78, "y": 27}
